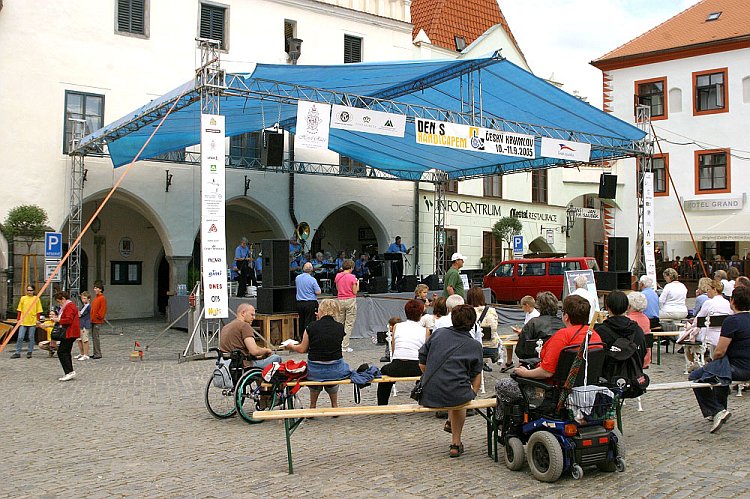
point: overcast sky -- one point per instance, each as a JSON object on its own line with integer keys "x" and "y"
{"x": 561, "y": 37}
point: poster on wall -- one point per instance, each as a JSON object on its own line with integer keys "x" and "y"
{"x": 648, "y": 225}
{"x": 313, "y": 124}
{"x": 472, "y": 138}
{"x": 213, "y": 235}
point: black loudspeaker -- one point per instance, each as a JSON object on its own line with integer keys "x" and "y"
{"x": 272, "y": 152}
{"x": 277, "y": 300}
{"x": 610, "y": 281}
{"x": 432, "y": 282}
{"x": 275, "y": 262}
{"x": 408, "y": 283}
{"x": 607, "y": 186}
{"x": 378, "y": 285}
{"x": 618, "y": 254}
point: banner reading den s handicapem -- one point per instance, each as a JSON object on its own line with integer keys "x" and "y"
{"x": 472, "y": 138}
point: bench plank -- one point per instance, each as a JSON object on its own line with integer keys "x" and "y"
{"x": 367, "y": 410}
{"x": 383, "y": 379}
{"x": 680, "y": 385}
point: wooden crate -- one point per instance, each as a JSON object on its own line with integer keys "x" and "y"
{"x": 276, "y": 328}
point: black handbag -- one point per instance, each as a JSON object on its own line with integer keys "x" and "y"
{"x": 58, "y": 332}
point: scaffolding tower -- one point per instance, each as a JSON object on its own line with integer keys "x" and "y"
{"x": 645, "y": 148}
{"x": 75, "y": 217}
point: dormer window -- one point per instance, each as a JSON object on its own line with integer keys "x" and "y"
{"x": 713, "y": 16}
{"x": 460, "y": 42}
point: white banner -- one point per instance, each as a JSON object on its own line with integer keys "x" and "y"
{"x": 471, "y": 138}
{"x": 213, "y": 235}
{"x": 357, "y": 119}
{"x": 313, "y": 122}
{"x": 648, "y": 225}
{"x": 588, "y": 213}
{"x": 566, "y": 149}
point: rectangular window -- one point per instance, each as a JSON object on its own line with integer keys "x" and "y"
{"x": 290, "y": 31}
{"x": 80, "y": 108}
{"x": 660, "y": 169}
{"x": 712, "y": 171}
{"x": 451, "y": 246}
{"x": 351, "y": 166}
{"x": 710, "y": 92}
{"x": 213, "y": 24}
{"x": 126, "y": 273}
{"x": 244, "y": 149}
{"x": 131, "y": 17}
{"x": 352, "y": 49}
{"x": 493, "y": 186}
{"x": 490, "y": 247}
{"x": 653, "y": 93}
{"x": 452, "y": 187}
{"x": 539, "y": 186}
{"x": 532, "y": 269}
{"x": 559, "y": 268}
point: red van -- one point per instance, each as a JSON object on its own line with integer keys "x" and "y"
{"x": 511, "y": 280}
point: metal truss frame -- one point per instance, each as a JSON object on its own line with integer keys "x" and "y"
{"x": 75, "y": 206}
{"x": 644, "y": 161}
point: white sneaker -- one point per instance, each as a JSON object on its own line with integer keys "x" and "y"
{"x": 83, "y": 357}
{"x": 719, "y": 419}
{"x": 348, "y": 350}
{"x": 78, "y": 357}
{"x": 69, "y": 376}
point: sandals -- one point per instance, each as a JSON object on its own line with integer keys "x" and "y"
{"x": 456, "y": 450}
{"x": 447, "y": 427}
{"x": 507, "y": 367}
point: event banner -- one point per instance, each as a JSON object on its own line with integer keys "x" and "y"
{"x": 213, "y": 236}
{"x": 313, "y": 122}
{"x": 648, "y": 225}
{"x": 566, "y": 149}
{"x": 471, "y": 138}
{"x": 357, "y": 119}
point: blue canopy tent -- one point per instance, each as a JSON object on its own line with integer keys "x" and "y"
{"x": 490, "y": 92}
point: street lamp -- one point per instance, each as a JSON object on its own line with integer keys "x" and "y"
{"x": 571, "y": 219}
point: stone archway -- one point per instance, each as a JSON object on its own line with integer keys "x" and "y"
{"x": 350, "y": 227}
{"x": 248, "y": 218}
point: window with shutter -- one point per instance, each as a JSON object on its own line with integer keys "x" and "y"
{"x": 131, "y": 16}
{"x": 352, "y": 49}
{"x": 213, "y": 22}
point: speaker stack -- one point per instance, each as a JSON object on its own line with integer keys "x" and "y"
{"x": 408, "y": 283}
{"x": 272, "y": 152}
{"x": 607, "y": 186}
{"x": 277, "y": 295}
{"x": 432, "y": 281}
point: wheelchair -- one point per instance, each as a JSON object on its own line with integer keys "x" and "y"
{"x": 581, "y": 434}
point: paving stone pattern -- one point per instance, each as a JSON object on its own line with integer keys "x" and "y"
{"x": 125, "y": 428}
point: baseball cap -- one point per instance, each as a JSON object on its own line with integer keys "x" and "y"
{"x": 457, "y": 256}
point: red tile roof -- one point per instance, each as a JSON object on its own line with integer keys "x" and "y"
{"x": 687, "y": 32}
{"x": 443, "y": 20}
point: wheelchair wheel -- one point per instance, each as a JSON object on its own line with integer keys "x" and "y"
{"x": 247, "y": 395}
{"x": 219, "y": 401}
{"x": 545, "y": 456}
{"x": 577, "y": 472}
{"x": 514, "y": 454}
{"x": 614, "y": 465}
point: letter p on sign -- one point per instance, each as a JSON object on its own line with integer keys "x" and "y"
{"x": 53, "y": 245}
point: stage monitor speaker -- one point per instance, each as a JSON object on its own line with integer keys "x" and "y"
{"x": 275, "y": 262}
{"x": 618, "y": 254}
{"x": 432, "y": 281}
{"x": 607, "y": 186}
{"x": 378, "y": 285}
{"x": 610, "y": 281}
{"x": 408, "y": 284}
{"x": 272, "y": 152}
{"x": 277, "y": 300}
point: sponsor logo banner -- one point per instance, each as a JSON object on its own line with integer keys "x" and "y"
{"x": 363, "y": 120}
{"x": 313, "y": 121}
{"x": 566, "y": 149}
{"x": 471, "y": 138}
{"x": 213, "y": 235}
{"x": 648, "y": 225}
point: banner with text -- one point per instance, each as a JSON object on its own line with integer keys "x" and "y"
{"x": 566, "y": 149}
{"x": 357, "y": 119}
{"x": 587, "y": 213}
{"x": 213, "y": 235}
{"x": 471, "y": 138}
{"x": 313, "y": 124}
{"x": 648, "y": 225}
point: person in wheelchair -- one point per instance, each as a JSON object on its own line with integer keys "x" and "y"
{"x": 575, "y": 317}
{"x": 240, "y": 335}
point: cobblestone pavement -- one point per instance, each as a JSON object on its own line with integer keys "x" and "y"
{"x": 125, "y": 428}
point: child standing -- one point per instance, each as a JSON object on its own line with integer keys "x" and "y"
{"x": 85, "y": 319}
{"x": 388, "y": 338}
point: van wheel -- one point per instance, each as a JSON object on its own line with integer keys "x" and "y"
{"x": 493, "y": 297}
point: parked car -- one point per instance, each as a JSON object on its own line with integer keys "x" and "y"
{"x": 511, "y": 280}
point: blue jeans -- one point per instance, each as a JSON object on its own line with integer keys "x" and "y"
{"x": 22, "y": 332}
{"x": 261, "y": 363}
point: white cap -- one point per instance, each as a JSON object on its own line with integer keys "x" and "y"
{"x": 457, "y": 256}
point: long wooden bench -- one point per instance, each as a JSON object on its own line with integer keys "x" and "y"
{"x": 294, "y": 417}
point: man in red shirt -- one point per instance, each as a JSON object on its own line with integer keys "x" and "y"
{"x": 98, "y": 314}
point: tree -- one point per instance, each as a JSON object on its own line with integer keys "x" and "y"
{"x": 26, "y": 222}
{"x": 504, "y": 230}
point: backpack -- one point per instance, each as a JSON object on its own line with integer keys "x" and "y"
{"x": 222, "y": 376}
{"x": 284, "y": 372}
{"x": 623, "y": 369}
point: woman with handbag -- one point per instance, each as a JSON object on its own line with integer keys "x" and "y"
{"x": 65, "y": 331}
{"x": 451, "y": 363}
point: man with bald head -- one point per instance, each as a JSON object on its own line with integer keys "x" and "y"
{"x": 240, "y": 335}
{"x": 308, "y": 290}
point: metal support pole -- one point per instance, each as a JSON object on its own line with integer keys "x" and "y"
{"x": 644, "y": 165}
{"x": 75, "y": 217}
{"x": 441, "y": 183}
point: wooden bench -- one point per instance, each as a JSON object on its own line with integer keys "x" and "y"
{"x": 294, "y": 417}
{"x": 657, "y": 340}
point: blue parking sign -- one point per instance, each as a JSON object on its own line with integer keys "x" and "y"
{"x": 517, "y": 245}
{"x": 53, "y": 245}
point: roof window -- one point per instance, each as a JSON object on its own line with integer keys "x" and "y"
{"x": 713, "y": 16}
{"x": 460, "y": 42}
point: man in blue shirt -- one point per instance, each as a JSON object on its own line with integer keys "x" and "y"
{"x": 307, "y": 297}
{"x": 242, "y": 265}
{"x": 397, "y": 266}
{"x": 652, "y": 309}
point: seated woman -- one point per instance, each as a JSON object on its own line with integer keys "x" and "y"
{"x": 322, "y": 342}
{"x": 490, "y": 342}
{"x": 672, "y": 298}
{"x": 637, "y": 303}
{"x": 451, "y": 362}
{"x": 539, "y": 328}
{"x": 715, "y": 305}
{"x": 408, "y": 338}
{"x": 575, "y": 318}
{"x": 731, "y": 361}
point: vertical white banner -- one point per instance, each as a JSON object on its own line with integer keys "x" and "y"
{"x": 313, "y": 125}
{"x": 213, "y": 199}
{"x": 648, "y": 225}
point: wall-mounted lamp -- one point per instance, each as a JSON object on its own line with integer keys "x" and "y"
{"x": 571, "y": 219}
{"x": 247, "y": 185}
{"x": 168, "y": 181}
{"x": 295, "y": 49}
{"x": 85, "y": 175}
